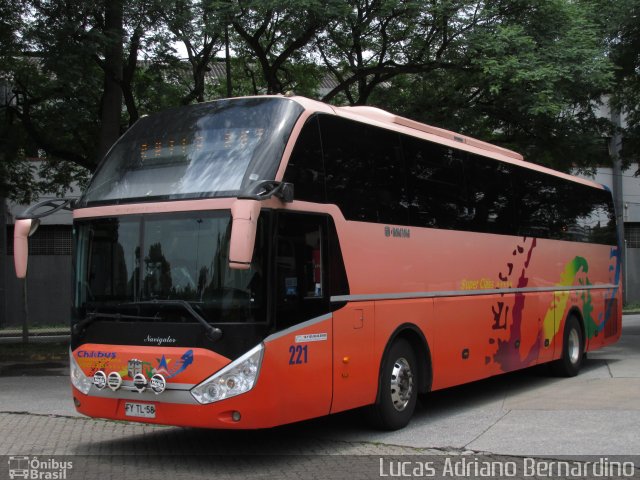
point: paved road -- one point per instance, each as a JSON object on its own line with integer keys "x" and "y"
{"x": 522, "y": 414}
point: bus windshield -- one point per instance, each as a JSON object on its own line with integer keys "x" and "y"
{"x": 215, "y": 149}
{"x": 148, "y": 267}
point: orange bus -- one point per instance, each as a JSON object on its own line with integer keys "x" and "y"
{"x": 257, "y": 261}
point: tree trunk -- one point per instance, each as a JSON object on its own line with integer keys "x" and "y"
{"x": 227, "y": 61}
{"x": 4, "y": 259}
{"x": 112, "y": 95}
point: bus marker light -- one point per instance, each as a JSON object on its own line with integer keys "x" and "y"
{"x": 345, "y": 360}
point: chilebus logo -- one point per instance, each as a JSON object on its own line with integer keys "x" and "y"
{"x": 38, "y": 468}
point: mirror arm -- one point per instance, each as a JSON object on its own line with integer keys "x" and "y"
{"x": 269, "y": 188}
{"x": 54, "y": 205}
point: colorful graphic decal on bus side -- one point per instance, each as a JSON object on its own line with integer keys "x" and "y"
{"x": 611, "y": 298}
{"x": 575, "y": 273}
{"x": 594, "y": 327}
{"x": 504, "y": 355}
{"x": 560, "y": 299}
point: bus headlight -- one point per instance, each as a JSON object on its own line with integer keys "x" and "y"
{"x": 78, "y": 378}
{"x": 236, "y": 378}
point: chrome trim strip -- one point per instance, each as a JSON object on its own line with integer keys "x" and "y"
{"x": 465, "y": 293}
{"x": 168, "y": 396}
{"x": 299, "y": 326}
{"x": 170, "y": 386}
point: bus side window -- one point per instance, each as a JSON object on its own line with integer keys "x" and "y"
{"x": 350, "y": 168}
{"x": 437, "y": 188}
{"x": 306, "y": 167}
{"x": 300, "y": 268}
{"x": 490, "y": 195}
{"x": 365, "y": 171}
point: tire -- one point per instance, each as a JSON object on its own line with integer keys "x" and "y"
{"x": 572, "y": 350}
{"x": 397, "y": 388}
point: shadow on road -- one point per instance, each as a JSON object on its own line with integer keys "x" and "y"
{"x": 327, "y": 435}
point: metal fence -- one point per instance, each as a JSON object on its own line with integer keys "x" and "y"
{"x": 35, "y": 334}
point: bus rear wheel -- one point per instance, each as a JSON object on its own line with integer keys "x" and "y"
{"x": 572, "y": 349}
{"x": 397, "y": 389}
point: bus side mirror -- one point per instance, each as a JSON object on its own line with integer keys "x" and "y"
{"x": 22, "y": 230}
{"x": 244, "y": 224}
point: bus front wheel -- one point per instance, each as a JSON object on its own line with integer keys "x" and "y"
{"x": 397, "y": 388}
{"x": 572, "y": 349}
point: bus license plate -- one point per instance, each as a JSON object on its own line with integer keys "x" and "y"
{"x": 143, "y": 410}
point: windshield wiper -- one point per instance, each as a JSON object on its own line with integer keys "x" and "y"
{"x": 91, "y": 316}
{"x": 213, "y": 333}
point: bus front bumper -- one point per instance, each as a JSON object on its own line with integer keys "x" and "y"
{"x": 241, "y": 412}
{"x": 138, "y": 390}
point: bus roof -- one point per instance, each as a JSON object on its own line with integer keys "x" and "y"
{"x": 377, "y": 116}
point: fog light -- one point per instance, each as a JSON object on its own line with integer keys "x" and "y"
{"x": 76, "y": 402}
{"x": 100, "y": 379}
{"x": 235, "y": 416}
{"x": 114, "y": 380}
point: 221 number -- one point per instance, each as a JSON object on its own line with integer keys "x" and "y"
{"x": 298, "y": 354}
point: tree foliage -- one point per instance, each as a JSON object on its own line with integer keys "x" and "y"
{"x": 273, "y": 38}
{"x": 380, "y": 40}
{"x": 526, "y": 75}
{"x": 624, "y": 36}
{"x": 530, "y": 76}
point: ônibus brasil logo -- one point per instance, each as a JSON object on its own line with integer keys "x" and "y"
{"x": 38, "y": 468}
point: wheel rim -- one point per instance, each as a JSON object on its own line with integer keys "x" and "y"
{"x": 573, "y": 346}
{"x": 401, "y": 384}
